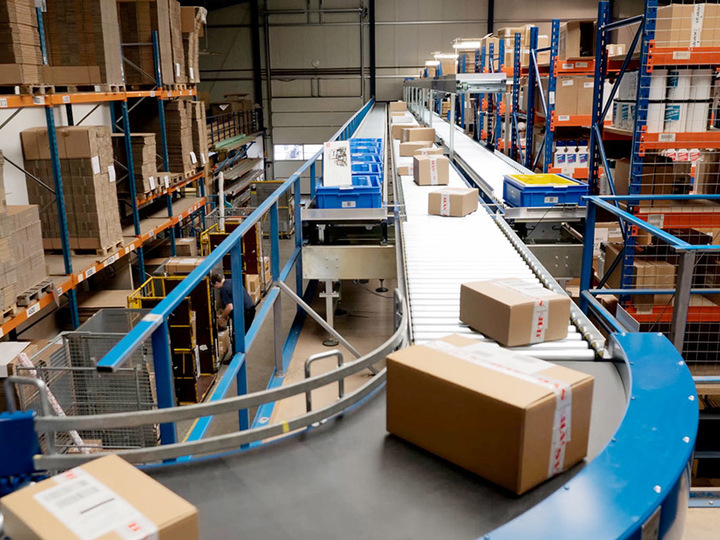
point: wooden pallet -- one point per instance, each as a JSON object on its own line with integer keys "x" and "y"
{"x": 34, "y": 293}
{"x": 8, "y": 313}
{"x": 27, "y": 89}
{"x": 100, "y": 252}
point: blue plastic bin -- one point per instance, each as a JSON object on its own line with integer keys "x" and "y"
{"x": 366, "y": 168}
{"x": 365, "y": 158}
{"x": 538, "y": 190}
{"x": 364, "y": 193}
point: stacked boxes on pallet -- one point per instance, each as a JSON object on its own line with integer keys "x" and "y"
{"x": 176, "y": 41}
{"x": 22, "y": 260}
{"x": 138, "y": 20}
{"x": 144, "y": 154}
{"x": 88, "y": 173}
{"x": 83, "y": 34}
{"x": 199, "y": 132}
{"x": 20, "y": 53}
{"x": 193, "y": 20}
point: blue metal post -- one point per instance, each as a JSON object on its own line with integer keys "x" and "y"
{"x": 298, "y": 242}
{"x": 597, "y": 107}
{"x": 587, "y": 256}
{"x": 516, "y": 96}
{"x": 62, "y": 215}
{"x": 490, "y": 98}
{"x": 275, "y": 242}
{"x": 238, "y": 313}
{"x": 41, "y": 32}
{"x": 498, "y": 124}
{"x": 552, "y": 86}
{"x": 133, "y": 190}
{"x": 312, "y": 180}
{"x": 481, "y": 97}
{"x": 164, "y": 383}
{"x": 532, "y": 82}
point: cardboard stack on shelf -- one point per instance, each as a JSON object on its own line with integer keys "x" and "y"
{"x": 138, "y": 20}
{"x": 83, "y": 42}
{"x": 193, "y": 23}
{"x": 144, "y": 154}
{"x": 88, "y": 173}
{"x": 22, "y": 259}
{"x": 20, "y": 53}
{"x": 176, "y": 40}
{"x": 200, "y": 140}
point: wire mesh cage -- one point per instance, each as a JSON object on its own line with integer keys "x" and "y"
{"x": 68, "y": 368}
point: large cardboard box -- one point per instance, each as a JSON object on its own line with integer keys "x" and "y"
{"x": 182, "y": 265}
{"x": 106, "y": 498}
{"x": 397, "y": 106}
{"x": 660, "y": 177}
{"x": 397, "y": 130}
{"x": 687, "y": 25}
{"x": 585, "y": 90}
{"x": 253, "y": 287}
{"x": 452, "y": 201}
{"x": 577, "y": 39}
{"x": 514, "y": 312}
{"x": 419, "y": 134}
{"x": 408, "y": 149}
{"x": 566, "y": 96}
{"x": 431, "y": 170}
{"x": 510, "y": 424}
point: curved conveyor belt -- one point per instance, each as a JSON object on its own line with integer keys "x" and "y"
{"x": 348, "y": 478}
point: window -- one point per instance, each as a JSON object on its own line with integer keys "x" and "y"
{"x": 296, "y": 152}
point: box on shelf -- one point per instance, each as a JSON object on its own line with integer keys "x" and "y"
{"x": 687, "y": 25}
{"x": 176, "y": 42}
{"x": 514, "y": 312}
{"x": 408, "y": 149}
{"x": 138, "y": 20}
{"x": 431, "y": 170}
{"x": 397, "y": 106}
{"x": 182, "y": 265}
{"x": 419, "y": 134}
{"x": 20, "y": 54}
{"x": 577, "y": 39}
{"x": 585, "y": 91}
{"x": 507, "y": 412}
{"x": 647, "y": 274}
{"x": 144, "y": 154}
{"x": 193, "y": 20}
{"x": 566, "y": 96}
{"x": 543, "y": 58}
{"x": 200, "y": 139}
{"x": 110, "y": 498}
{"x": 186, "y": 247}
{"x": 452, "y": 201}
{"x": 660, "y": 177}
{"x": 26, "y": 246}
{"x": 93, "y": 25}
{"x": 88, "y": 172}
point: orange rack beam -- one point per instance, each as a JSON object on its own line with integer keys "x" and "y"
{"x": 683, "y": 56}
{"x": 16, "y": 101}
{"x": 701, "y": 139}
{"x": 663, "y": 314}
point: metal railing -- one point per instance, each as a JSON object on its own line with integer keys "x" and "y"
{"x": 154, "y": 326}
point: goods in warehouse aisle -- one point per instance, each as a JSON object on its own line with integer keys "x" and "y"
{"x": 20, "y": 54}
{"x": 144, "y": 153}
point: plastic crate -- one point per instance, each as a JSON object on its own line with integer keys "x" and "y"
{"x": 537, "y": 190}
{"x": 365, "y": 158}
{"x": 366, "y": 168}
{"x": 364, "y": 193}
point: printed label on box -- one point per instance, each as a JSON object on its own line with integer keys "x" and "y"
{"x": 193, "y": 158}
{"x": 166, "y": 179}
{"x": 151, "y": 180}
{"x": 203, "y": 161}
{"x": 95, "y": 162}
{"x": 192, "y": 73}
{"x": 552, "y": 200}
{"x": 111, "y": 173}
{"x": 433, "y": 172}
{"x": 177, "y": 69}
{"x": 696, "y": 25}
{"x": 91, "y": 510}
{"x": 348, "y": 204}
{"x": 588, "y": 85}
{"x": 567, "y": 82}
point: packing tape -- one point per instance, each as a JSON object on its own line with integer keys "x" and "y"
{"x": 444, "y": 204}
{"x": 696, "y": 25}
{"x": 433, "y": 171}
{"x": 541, "y": 307}
{"x": 527, "y": 369}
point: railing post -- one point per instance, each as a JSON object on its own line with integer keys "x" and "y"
{"x": 164, "y": 383}
{"x": 587, "y": 255}
{"x": 298, "y": 240}
{"x": 682, "y": 299}
{"x": 275, "y": 270}
{"x": 312, "y": 180}
{"x": 238, "y": 314}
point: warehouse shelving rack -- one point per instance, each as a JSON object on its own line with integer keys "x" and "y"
{"x": 119, "y": 100}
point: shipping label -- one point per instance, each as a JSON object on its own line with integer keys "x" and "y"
{"x": 444, "y": 204}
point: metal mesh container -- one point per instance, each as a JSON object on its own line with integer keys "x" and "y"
{"x": 68, "y": 367}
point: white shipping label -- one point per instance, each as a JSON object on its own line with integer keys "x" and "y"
{"x": 91, "y": 510}
{"x": 552, "y": 200}
{"x": 568, "y": 66}
{"x": 588, "y": 85}
{"x": 567, "y": 82}
{"x": 348, "y": 204}
{"x": 95, "y": 163}
{"x": 177, "y": 69}
{"x": 111, "y": 173}
{"x": 696, "y": 25}
{"x": 203, "y": 161}
{"x": 192, "y": 73}
{"x": 564, "y": 118}
{"x": 193, "y": 158}
{"x": 151, "y": 180}
{"x": 581, "y": 65}
{"x": 3, "y": 103}
{"x": 166, "y": 180}
{"x": 434, "y": 172}
{"x": 551, "y": 98}
{"x": 444, "y": 204}
{"x": 541, "y": 314}
{"x": 527, "y": 369}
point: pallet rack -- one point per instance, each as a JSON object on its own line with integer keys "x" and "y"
{"x": 118, "y": 102}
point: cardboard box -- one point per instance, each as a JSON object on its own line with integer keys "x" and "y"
{"x": 253, "y": 287}
{"x": 105, "y": 498}
{"x": 405, "y": 170}
{"x": 429, "y": 151}
{"x": 182, "y": 265}
{"x": 585, "y": 90}
{"x": 397, "y": 106}
{"x": 408, "y": 149}
{"x": 514, "y": 312}
{"x": 431, "y": 170}
{"x": 687, "y": 25}
{"x": 397, "y": 130}
{"x": 455, "y": 202}
{"x": 566, "y": 96}
{"x": 660, "y": 177}
{"x": 186, "y": 247}
{"x": 505, "y": 409}
{"x": 419, "y": 134}
{"x": 577, "y": 39}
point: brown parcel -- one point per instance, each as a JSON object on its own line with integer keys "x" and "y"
{"x": 455, "y": 202}
{"x": 431, "y": 170}
{"x": 397, "y": 106}
{"x": 502, "y": 424}
{"x": 408, "y": 149}
{"x": 405, "y": 170}
{"x": 27, "y": 517}
{"x": 182, "y": 265}
{"x": 429, "y": 151}
{"x": 504, "y": 310}
{"x": 419, "y": 134}
{"x": 397, "y": 130}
